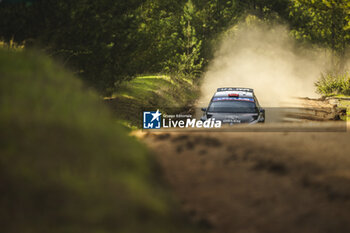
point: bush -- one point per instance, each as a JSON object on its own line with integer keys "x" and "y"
{"x": 334, "y": 84}
{"x": 65, "y": 165}
{"x": 170, "y": 95}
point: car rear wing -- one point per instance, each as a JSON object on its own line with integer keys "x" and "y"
{"x": 235, "y": 89}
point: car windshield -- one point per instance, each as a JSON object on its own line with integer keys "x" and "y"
{"x": 232, "y": 106}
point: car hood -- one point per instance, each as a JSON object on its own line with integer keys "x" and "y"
{"x": 232, "y": 118}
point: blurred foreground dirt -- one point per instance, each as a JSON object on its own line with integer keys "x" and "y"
{"x": 258, "y": 182}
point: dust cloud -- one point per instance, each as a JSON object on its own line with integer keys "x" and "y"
{"x": 267, "y": 59}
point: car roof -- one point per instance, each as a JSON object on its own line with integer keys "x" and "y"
{"x": 235, "y": 89}
{"x": 240, "y": 93}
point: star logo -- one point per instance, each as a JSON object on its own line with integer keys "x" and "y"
{"x": 151, "y": 120}
{"x": 156, "y": 115}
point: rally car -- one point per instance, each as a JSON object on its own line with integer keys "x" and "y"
{"x": 234, "y": 106}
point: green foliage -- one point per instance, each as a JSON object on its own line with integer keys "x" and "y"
{"x": 97, "y": 40}
{"x": 107, "y": 42}
{"x": 324, "y": 22}
{"x": 65, "y": 165}
{"x": 334, "y": 84}
{"x": 264, "y": 9}
{"x": 16, "y": 1}
{"x": 168, "y": 94}
{"x": 187, "y": 60}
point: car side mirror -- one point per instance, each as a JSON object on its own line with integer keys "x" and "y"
{"x": 204, "y": 109}
{"x": 262, "y": 110}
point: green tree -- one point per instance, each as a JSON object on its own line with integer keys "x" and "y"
{"x": 187, "y": 60}
{"x": 95, "y": 39}
{"x": 109, "y": 41}
{"x": 323, "y": 22}
{"x": 158, "y": 26}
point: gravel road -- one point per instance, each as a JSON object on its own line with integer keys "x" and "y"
{"x": 258, "y": 182}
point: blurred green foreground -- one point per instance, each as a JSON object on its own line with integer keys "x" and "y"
{"x": 65, "y": 164}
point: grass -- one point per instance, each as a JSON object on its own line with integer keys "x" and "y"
{"x": 336, "y": 85}
{"x": 11, "y": 45}
{"x": 65, "y": 164}
{"x": 333, "y": 84}
{"x": 170, "y": 95}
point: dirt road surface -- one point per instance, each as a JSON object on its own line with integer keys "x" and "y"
{"x": 258, "y": 182}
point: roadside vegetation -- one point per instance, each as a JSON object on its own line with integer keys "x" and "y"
{"x": 10, "y": 45}
{"x": 333, "y": 84}
{"x": 107, "y": 43}
{"x": 65, "y": 164}
{"x": 149, "y": 93}
{"x": 336, "y": 86}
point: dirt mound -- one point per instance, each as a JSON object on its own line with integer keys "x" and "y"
{"x": 65, "y": 164}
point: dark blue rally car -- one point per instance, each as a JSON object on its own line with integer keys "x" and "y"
{"x": 232, "y": 105}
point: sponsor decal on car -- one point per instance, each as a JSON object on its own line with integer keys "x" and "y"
{"x": 233, "y": 99}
